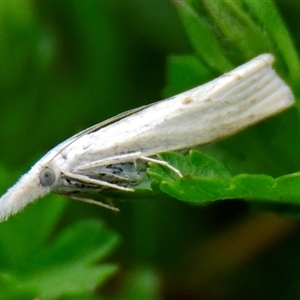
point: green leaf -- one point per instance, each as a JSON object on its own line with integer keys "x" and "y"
{"x": 266, "y": 13}
{"x": 240, "y": 30}
{"x": 69, "y": 264}
{"x": 30, "y": 229}
{"x": 210, "y": 181}
{"x": 202, "y": 38}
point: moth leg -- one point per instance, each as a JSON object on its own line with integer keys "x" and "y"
{"x": 96, "y": 182}
{"x": 90, "y": 201}
{"x": 162, "y": 163}
{"x": 109, "y": 161}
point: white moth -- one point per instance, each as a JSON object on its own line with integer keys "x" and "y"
{"x": 105, "y": 155}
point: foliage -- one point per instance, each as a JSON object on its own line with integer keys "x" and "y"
{"x": 205, "y": 179}
{"x": 70, "y": 64}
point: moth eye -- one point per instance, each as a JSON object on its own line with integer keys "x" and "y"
{"x": 47, "y": 177}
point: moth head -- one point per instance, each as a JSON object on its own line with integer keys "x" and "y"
{"x": 31, "y": 186}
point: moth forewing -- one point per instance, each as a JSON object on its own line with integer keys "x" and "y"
{"x": 200, "y": 116}
{"x": 105, "y": 156}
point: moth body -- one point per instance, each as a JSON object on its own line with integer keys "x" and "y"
{"x": 106, "y": 155}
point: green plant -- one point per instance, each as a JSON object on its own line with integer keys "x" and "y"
{"x": 61, "y": 64}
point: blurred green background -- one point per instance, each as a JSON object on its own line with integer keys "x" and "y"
{"x": 66, "y": 65}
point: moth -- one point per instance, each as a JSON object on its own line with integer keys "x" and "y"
{"x": 106, "y": 155}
